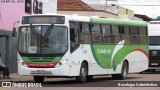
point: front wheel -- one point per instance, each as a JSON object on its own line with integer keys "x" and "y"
{"x": 38, "y": 79}
{"x": 83, "y": 73}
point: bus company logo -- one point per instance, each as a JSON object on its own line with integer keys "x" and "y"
{"x": 6, "y": 84}
{"x": 154, "y": 53}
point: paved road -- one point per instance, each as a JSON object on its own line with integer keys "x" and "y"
{"x": 101, "y": 83}
{"x": 105, "y": 81}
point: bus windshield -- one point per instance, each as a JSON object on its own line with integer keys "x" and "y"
{"x": 154, "y": 40}
{"x": 42, "y": 39}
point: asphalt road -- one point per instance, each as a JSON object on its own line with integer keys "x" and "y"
{"x": 102, "y": 83}
{"x": 106, "y": 81}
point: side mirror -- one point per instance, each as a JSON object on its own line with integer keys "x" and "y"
{"x": 14, "y": 32}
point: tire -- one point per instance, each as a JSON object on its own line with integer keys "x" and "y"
{"x": 38, "y": 79}
{"x": 89, "y": 78}
{"x": 123, "y": 74}
{"x": 153, "y": 70}
{"x": 114, "y": 76}
{"x": 83, "y": 73}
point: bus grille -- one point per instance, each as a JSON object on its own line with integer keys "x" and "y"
{"x": 154, "y": 54}
{"x": 41, "y": 59}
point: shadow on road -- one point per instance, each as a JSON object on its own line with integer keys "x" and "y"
{"x": 95, "y": 82}
{"x": 130, "y": 78}
{"x": 150, "y": 72}
{"x": 73, "y": 81}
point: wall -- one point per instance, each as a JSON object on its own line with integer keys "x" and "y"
{"x": 125, "y": 13}
{"x": 10, "y": 12}
{"x": 89, "y": 13}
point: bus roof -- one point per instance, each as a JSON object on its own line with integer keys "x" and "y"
{"x": 118, "y": 22}
{"x": 98, "y": 20}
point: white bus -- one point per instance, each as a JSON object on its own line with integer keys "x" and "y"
{"x": 81, "y": 47}
{"x": 154, "y": 45}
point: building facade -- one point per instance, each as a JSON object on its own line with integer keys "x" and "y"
{"x": 81, "y": 8}
{"x": 10, "y": 13}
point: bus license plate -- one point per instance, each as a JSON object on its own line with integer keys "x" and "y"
{"x": 154, "y": 64}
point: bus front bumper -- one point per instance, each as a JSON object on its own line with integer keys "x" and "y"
{"x": 58, "y": 71}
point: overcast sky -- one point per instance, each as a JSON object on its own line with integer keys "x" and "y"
{"x": 150, "y": 8}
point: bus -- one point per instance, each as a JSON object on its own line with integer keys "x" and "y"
{"x": 154, "y": 45}
{"x": 80, "y": 47}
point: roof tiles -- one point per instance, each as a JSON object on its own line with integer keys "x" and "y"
{"x": 73, "y": 5}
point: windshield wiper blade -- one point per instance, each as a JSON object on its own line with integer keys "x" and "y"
{"x": 48, "y": 31}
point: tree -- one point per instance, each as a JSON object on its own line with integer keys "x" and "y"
{"x": 158, "y": 18}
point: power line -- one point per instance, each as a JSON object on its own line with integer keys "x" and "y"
{"x": 134, "y": 5}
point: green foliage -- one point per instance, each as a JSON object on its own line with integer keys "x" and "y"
{"x": 158, "y": 18}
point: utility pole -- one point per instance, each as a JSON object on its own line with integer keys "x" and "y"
{"x": 106, "y": 5}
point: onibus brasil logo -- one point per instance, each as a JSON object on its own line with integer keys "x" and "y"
{"x": 19, "y": 84}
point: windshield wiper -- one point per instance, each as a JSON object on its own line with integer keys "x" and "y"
{"x": 48, "y": 31}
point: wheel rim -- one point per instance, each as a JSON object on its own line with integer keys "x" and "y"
{"x": 83, "y": 73}
{"x": 124, "y": 71}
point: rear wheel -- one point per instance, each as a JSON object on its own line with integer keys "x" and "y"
{"x": 83, "y": 73}
{"x": 153, "y": 70}
{"x": 89, "y": 78}
{"x": 123, "y": 74}
{"x": 38, "y": 79}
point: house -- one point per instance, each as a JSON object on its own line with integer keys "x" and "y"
{"x": 71, "y": 7}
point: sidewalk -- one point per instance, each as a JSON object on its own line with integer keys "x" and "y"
{"x": 15, "y": 77}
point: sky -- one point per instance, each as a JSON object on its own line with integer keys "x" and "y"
{"x": 150, "y": 8}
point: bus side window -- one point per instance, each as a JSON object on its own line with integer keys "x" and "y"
{"x": 143, "y": 35}
{"x": 134, "y": 32}
{"x": 96, "y": 33}
{"x": 74, "y": 33}
{"x": 85, "y": 35}
{"x": 106, "y": 34}
{"x": 72, "y": 30}
{"x": 125, "y": 35}
{"x": 116, "y": 34}
{"x": 77, "y": 30}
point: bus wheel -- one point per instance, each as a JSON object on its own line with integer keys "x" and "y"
{"x": 38, "y": 79}
{"x": 89, "y": 78}
{"x": 124, "y": 71}
{"x": 123, "y": 74}
{"x": 83, "y": 73}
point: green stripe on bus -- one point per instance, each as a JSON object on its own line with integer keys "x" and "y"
{"x": 118, "y": 22}
{"x": 41, "y": 59}
{"x": 103, "y": 54}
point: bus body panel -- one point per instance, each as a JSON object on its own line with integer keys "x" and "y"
{"x": 83, "y": 53}
{"x": 59, "y": 71}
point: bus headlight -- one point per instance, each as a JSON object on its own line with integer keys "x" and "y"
{"x": 21, "y": 62}
{"x": 63, "y": 62}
